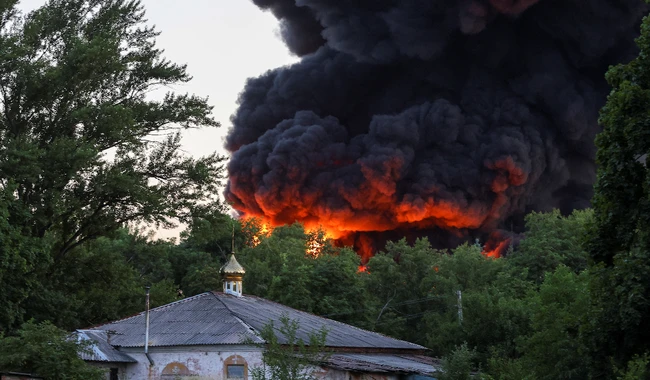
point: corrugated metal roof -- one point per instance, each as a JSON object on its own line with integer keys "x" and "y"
{"x": 198, "y": 320}
{"x": 384, "y": 363}
{"x": 217, "y": 318}
{"x": 257, "y": 312}
{"x": 99, "y": 350}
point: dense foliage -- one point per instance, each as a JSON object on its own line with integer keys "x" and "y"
{"x": 86, "y": 156}
{"x": 620, "y": 238}
{"x": 84, "y": 150}
{"x": 516, "y": 325}
{"x": 47, "y": 350}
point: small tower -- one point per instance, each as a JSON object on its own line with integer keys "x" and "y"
{"x": 233, "y": 273}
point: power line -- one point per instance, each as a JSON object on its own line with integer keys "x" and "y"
{"x": 408, "y": 316}
{"x": 407, "y": 302}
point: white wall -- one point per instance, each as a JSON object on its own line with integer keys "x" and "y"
{"x": 205, "y": 363}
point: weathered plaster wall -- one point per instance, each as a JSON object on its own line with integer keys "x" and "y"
{"x": 204, "y": 363}
{"x": 207, "y": 363}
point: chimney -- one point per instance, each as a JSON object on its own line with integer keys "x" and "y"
{"x": 146, "y": 325}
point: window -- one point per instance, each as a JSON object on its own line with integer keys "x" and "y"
{"x": 114, "y": 374}
{"x": 235, "y": 371}
{"x": 235, "y": 367}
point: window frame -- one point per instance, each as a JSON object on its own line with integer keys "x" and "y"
{"x": 243, "y": 371}
{"x": 235, "y": 360}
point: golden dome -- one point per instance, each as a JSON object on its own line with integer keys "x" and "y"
{"x": 232, "y": 266}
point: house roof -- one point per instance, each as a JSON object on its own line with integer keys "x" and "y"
{"x": 386, "y": 363}
{"x": 99, "y": 348}
{"x": 215, "y": 318}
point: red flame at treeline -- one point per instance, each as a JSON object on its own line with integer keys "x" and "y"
{"x": 386, "y": 212}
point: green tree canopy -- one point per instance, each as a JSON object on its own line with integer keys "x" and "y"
{"x": 280, "y": 268}
{"x": 83, "y": 149}
{"x": 554, "y": 348}
{"x": 620, "y": 238}
{"x": 47, "y": 351}
{"x": 550, "y": 240}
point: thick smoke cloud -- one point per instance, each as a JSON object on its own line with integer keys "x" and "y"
{"x": 450, "y": 118}
{"x": 298, "y": 27}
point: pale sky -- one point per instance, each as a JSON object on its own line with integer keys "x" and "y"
{"x": 223, "y": 42}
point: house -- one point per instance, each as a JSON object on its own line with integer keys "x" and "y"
{"x": 215, "y": 335}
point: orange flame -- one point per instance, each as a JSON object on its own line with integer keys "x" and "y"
{"x": 314, "y": 248}
{"x": 258, "y": 228}
{"x": 496, "y": 245}
{"x": 375, "y": 206}
{"x": 255, "y": 230}
{"x": 317, "y": 240}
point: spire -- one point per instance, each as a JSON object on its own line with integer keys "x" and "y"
{"x": 233, "y": 239}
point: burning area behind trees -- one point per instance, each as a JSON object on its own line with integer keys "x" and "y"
{"x": 442, "y": 118}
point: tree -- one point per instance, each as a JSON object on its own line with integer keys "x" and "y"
{"x": 103, "y": 280}
{"x": 292, "y": 359}
{"x": 19, "y": 255}
{"x": 47, "y": 351}
{"x": 493, "y": 304}
{"x": 551, "y": 240}
{"x": 212, "y": 232}
{"x": 278, "y": 267}
{"x": 338, "y": 286}
{"x": 554, "y": 348}
{"x": 399, "y": 287}
{"x": 500, "y": 368}
{"x": 83, "y": 149}
{"x": 637, "y": 368}
{"x": 458, "y": 364}
{"x": 282, "y": 268}
{"x": 619, "y": 242}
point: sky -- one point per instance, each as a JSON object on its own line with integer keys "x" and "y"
{"x": 223, "y": 42}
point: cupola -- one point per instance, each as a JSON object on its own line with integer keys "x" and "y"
{"x": 233, "y": 274}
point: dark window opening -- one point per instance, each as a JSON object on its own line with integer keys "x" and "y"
{"x": 235, "y": 371}
{"x": 114, "y": 374}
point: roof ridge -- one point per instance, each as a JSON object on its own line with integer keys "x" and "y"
{"x": 251, "y": 328}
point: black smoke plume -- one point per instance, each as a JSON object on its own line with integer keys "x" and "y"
{"x": 444, "y": 118}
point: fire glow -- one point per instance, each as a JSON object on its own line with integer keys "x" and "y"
{"x": 375, "y": 207}
{"x": 495, "y": 247}
{"x": 445, "y": 119}
{"x": 259, "y": 228}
